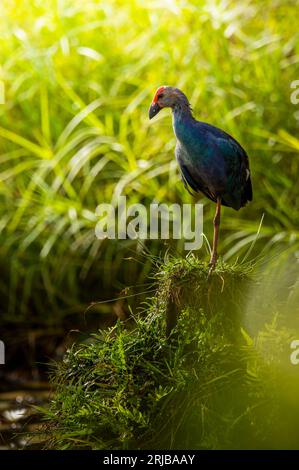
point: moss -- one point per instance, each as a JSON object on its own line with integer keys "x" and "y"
{"x": 201, "y": 385}
{"x": 185, "y": 282}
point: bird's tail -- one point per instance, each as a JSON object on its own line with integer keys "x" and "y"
{"x": 247, "y": 193}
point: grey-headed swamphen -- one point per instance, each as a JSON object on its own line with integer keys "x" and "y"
{"x": 210, "y": 160}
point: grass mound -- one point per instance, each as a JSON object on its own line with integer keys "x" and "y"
{"x": 201, "y": 385}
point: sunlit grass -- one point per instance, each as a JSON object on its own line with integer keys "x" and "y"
{"x": 74, "y": 132}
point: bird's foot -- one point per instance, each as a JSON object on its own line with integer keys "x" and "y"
{"x": 212, "y": 265}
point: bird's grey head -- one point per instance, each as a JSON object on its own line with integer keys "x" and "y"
{"x": 168, "y": 97}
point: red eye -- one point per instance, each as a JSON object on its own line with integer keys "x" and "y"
{"x": 160, "y": 96}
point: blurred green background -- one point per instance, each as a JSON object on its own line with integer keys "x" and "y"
{"x": 74, "y": 132}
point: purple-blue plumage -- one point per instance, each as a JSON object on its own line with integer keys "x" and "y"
{"x": 210, "y": 160}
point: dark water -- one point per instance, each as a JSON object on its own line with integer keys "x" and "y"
{"x": 24, "y": 384}
{"x": 23, "y": 379}
{"x": 20, "y": 422}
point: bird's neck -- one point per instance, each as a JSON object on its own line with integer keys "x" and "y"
{"x": 182, "y": 120}
{"x": 182, "y": 111}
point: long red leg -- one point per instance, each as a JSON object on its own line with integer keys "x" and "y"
{"x": 214, "y": 254}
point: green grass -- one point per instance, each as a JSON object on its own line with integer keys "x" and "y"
{"x": 210, "y": 384}
{"x": 74, "y": 133}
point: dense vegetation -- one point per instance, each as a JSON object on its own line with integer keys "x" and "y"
{"x": 211, "y": 383}
{"x": 74, "y": 132}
